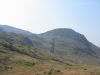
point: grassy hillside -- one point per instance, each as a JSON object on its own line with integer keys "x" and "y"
{"x": 57, "y": 52}
{"x": 25, "y": 65}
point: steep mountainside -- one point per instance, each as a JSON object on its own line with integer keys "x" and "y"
{"x": 7, "y": 28}
{"x": 73, "y": 46}
{"x": 14, "y": 46}
{"x": 64, "y": 44}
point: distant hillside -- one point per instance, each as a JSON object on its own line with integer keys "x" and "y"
{"x": 73, "y": 46}
{"x": 14, "y": 45}
{"x": 64, "y": 45}
{"x": 7, "y": 28}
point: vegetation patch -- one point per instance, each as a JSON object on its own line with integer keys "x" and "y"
{"x": 50, "y": 72}
{"x": 26, "y": 63}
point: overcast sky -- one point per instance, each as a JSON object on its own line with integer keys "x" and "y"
{"x": 42, "y": 15}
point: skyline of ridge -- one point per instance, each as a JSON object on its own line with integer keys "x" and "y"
{"x": 47, "y": 31}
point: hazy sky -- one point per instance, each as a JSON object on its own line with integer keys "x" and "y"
{"x": 41, "y": 15}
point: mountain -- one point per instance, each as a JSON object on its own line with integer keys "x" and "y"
{"x": 33, "y": 37}
{"x": 7, "y": 28}
{"x": 18, "y": 49}
{"x": 62, "y": 45}
{"x": 73, "y": 46}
